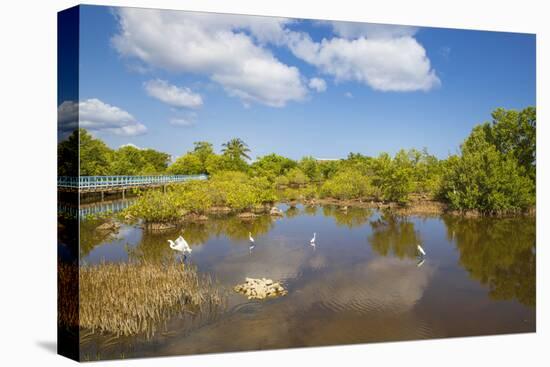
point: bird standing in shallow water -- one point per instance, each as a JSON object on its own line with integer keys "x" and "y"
{"x": 312, "y": 241}
{"x": 421, "y": 250}
{"x": 252, "y": 243}
{"x": 180, "y": 245}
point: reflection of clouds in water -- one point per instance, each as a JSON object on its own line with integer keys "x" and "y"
{"x": 273, "y": 259}
{"x": 385, "y": 288}
{"x": 384, "y": 283}
{"x": 317, "y": 262}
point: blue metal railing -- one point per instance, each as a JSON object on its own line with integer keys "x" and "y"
{"x": 106, "y": 182}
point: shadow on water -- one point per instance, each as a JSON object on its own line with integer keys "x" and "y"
{"x": 361, "y": 283}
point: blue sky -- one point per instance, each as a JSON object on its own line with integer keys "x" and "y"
{"x": 165, "y": 79}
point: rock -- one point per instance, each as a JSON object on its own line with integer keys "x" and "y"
{"x": 108, "y": 226}
{"x": 161, "y": 226}
{"x": 246, "y": 215}
{"x": 276, "y": 212}
{"x": 344, "y": 208}
{"x": 196, "y": 217}
{"x": 260, "y": 288}
{"x": 220, "y": 210}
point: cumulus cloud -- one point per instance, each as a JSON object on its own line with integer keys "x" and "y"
{"x": 95, "y": 115}
{"x": 180, "y": 97}
{"x": 67, "y": 116}
{"x": 386, "y": 63}
{"x": 317, "y": 84}
{"x": 216, "y": 46}
{"x": 351, "y": 30}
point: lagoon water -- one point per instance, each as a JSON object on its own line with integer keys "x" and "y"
{"x": 362, "y": 282}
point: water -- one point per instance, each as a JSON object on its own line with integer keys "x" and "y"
{"x": 362, "y": 282}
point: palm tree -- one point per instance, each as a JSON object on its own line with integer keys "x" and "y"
{"x": 236, "y": 149}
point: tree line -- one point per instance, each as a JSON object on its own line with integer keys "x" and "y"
{"x": 493, "y": 172}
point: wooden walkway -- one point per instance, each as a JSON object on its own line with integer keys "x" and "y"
{"x": 119, "y": 183}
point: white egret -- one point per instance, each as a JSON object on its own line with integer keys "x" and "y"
{"x": 180, "y": 245}
{"x": 250, "y": 238}
{"x": 421, "y": 250}
{"x": 312, "y": 241}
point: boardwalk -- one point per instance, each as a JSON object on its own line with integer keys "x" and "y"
{"x": 119, "y": 183}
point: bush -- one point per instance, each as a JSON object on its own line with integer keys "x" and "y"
{"x": 488, "y": 182}
{"x": 295, "y": 176}
{"x": 281, "y": 181}
{"x": 347, "y": 184}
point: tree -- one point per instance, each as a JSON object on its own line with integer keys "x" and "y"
{"x": 394, "y": 177}
{"x": 236, "y": 149}
{"x": 272, "y": 166}
{"x": 514, "y": 133}
{"x": 187, "y": 164}
{"x": 486, "y": 178}
{"x": 95, "y": 156}
{"x": 310, "y": 167}
{"x": 67, "y": 155}
{"x": 155, "y": 162}
{"x": 128, "y": 161}
{"x": 203, "y": 150}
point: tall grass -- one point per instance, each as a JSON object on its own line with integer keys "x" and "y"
{"x": 134, "y": 298}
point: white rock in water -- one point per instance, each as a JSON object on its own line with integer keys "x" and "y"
{"x": 260, "y": 288}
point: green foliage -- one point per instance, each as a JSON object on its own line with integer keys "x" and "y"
{"x": 272, "y": 166}
{"x": 67, "y": 156}
{"x": 496, "y": 171}
{"x": 514, "y": 133}
{"x": 236, "y": 149}
{"x": 203, "y": 150}
{"x": 310, "y": 167}
{"x": 347, "y": 184}
{"x": 228, "y": 188}
{"x": 394, "y": 177}
{"x": 97, "y": 159}
{"x": 95, "y": 155}
{"x": 187, "y": 164}
{"x": 295, "y": 176}
{"x": 484, "y": 180}
{"x": 281, "y": 181}
{"x": 156, "y": 206}
{"x": 328, "y": 169}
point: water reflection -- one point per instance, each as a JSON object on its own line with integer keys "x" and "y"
{"x": 362, "y": 283}
{"x": 393, "y": 234}
{"x": 348, "y": 217}
{"x": 499, "y": 253}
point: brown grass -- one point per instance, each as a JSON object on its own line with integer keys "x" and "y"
{"x": 133, "y": 298}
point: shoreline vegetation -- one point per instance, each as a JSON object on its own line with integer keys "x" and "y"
{"x": 134, "y": 298}
{"x": 493, "y": 174}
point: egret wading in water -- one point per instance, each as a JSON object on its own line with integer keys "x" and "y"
{"x": 180, "y": 245}
{"x": 252, "y": 243}
{"x": 312, "y": 241}
{"x": 421, "y": 251}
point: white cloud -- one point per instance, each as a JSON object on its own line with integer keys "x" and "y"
{"x": 317, "y": 84}
{"x": 67, "y": 116}
{"x": 95, "y": 115}
{"x": 130, "y": 145}
{"x": 384, "y": 63}
{"x": 181, "y": 97}
{"x": 351, "y": 30}
{"x": 348, "y": 95}
{"x": 216, "y": 46}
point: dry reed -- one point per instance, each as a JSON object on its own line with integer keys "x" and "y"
{"x": 133, "y": 298}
